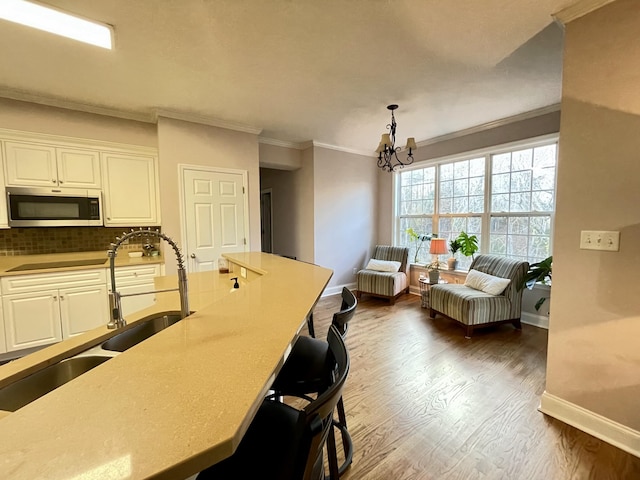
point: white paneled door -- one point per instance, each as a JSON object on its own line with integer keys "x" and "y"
{"x": 215, "y": 216}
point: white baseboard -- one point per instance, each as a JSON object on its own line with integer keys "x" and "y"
{"x": 541, "y": 321}
{"x": 329, "y": 291}
{"x": 616, "y": 434}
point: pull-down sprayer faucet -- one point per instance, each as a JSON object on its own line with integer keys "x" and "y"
{"x": 115, "y": 315}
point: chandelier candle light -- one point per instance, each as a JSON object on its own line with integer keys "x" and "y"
{"x": 387, "y": 151}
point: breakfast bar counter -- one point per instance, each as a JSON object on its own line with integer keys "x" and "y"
{"x": 180, "y": 400}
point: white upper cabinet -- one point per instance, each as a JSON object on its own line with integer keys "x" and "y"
{"x": 40, "y": 165}
{"x": 4, "y": 216}
{"x": 78, "y": 168}
{"x": 131, "y": 192}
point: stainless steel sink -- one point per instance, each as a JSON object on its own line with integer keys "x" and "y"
{"x": 28, "y": 389}
{"x": 137, "y": 334}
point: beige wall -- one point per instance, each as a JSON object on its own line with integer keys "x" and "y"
{"x": 30, "y": 117}
{"x": 344, "y": 205}
{"x": 281, "y": 158}
{"x": 188, "y": 143}
{"x": 303, "y": 218}
{"x": 593, "y": 357}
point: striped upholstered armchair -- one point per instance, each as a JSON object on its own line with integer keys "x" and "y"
{"x": 389, "y": 285}
{"x": 472, "y": 307}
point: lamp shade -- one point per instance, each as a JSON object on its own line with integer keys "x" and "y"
{"x": 438, "y": 246}
{"x": 411, "y": 143}
{"x": 386, "y": 139}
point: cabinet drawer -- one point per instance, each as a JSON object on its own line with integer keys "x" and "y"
{"x": 135, "y": 275}
{"x": 32, "y": 283}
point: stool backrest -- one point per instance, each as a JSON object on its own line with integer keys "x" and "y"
{"x": 347, "y": 310}
{"x": 318, "y": 415}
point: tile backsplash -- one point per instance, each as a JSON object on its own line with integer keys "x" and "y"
{"x": 35, "y": 240}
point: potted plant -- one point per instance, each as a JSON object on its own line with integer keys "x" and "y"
{"x": 454, "y": 246}
{"x": 468, "y": 244}
{"x": 419, "y": 239}
{"x": 539, "y": 272}
{"x": 434, "y": 272}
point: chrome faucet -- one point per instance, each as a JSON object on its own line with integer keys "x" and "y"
{"x": 115, "y": 315}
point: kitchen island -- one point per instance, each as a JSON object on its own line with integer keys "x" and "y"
{"x": 180, "y": 400}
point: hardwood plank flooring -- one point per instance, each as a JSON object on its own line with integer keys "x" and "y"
{"x": 425, "y": 403}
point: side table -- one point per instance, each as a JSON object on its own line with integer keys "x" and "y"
{"x": 425, "y": 287}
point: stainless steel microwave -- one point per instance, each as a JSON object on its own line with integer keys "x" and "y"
{"x": 54, "y": 207}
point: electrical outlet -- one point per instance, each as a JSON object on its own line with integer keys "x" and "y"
{"x": 600, "y": 240}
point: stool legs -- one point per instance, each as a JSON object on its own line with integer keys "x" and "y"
{"x": 347, "y": 443}
{"x": 312, "y": 331}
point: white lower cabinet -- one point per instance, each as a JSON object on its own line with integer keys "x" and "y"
{"x": 31, "y": 320}
{"x": 47, "y": 308}
{"x": 136, "y": 280}
{"x": 3, "y": 343}
{"x": 82, "y": 309}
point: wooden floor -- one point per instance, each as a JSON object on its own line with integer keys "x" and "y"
{"x": 423, "y": 402}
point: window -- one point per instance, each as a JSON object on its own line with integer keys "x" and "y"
{"x": 504, "y": 196}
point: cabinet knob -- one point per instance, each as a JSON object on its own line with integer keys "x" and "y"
{"x": 193, "y": 255}
{"x": 53, "y": 181}
{"x": 55, "y": 298}
{"x": 60, "y": 181}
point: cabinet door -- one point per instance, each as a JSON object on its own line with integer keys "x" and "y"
{"x": 31, "y": 319}
{"x": 3, "y": 343}
{"x": 30, "y": 164}
{"x": 131, "y": 195}
{"x": 78, "y": 168}
{"x": 82, "y": 309}
{"x": 4, "y": 217}
{"x": 138, "y": 302}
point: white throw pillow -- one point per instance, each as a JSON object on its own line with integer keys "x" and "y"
{"x": 383, "y": 265}
{"x": 486, "y": 283}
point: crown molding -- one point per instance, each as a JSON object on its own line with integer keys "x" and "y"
{"x": 578, "y": 9}
{"x": 309, "y": 144}
{"x": 205, "y": 120}
{"x": 281, "y": 143}
{"x": 76, "y": 106}
{"x": 490, "y": 125}
{"x": 355, "y": 151}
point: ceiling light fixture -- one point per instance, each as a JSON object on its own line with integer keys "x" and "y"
{"x": 59, "y": 23}
{"x": 387, "y": 151}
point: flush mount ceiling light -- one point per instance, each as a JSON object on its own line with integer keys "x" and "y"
{"x": 387, "y": 151}
{"x": 55, "y": 21}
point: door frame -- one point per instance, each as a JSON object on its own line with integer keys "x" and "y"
{"x": 267, "y": 191}
{"x": 182, "y": 167}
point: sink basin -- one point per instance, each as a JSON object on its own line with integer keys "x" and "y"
{"x": 137, "y": 334}
{"x": 28, "y": 389}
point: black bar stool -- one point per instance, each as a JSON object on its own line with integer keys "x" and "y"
{"x": 302, "y": 373}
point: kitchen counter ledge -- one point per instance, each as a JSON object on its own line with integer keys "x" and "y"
{"x": 177, "y": 402}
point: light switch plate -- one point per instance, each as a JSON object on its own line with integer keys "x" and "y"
{"x": 600, "y": 240}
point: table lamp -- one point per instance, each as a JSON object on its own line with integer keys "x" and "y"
{"x": 437, "y": 248}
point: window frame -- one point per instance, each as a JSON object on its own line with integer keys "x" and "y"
{"x": 486, "y": 216}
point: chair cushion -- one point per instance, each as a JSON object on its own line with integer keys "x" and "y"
{"x": 381, "y": 283}
{"x": 486, "y": 283}
{"x": 267, "y": 450}
{"x": 468, "y": 305}
{"x": 304, "y": 368}
{"x": 383, "y": 265}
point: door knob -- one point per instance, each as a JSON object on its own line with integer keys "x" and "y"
{"x": 193, "y": 255}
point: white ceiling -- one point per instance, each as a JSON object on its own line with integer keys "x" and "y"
{"x": 300, "y": 70}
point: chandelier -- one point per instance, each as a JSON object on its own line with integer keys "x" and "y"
{"x": 387, "y": 151}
